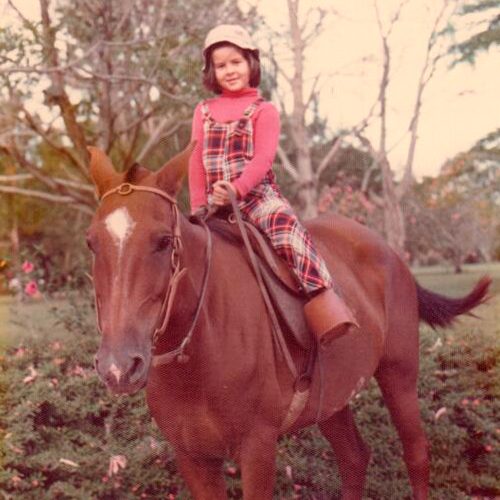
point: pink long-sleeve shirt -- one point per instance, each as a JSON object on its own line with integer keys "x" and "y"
{"x": 229, "y": 107}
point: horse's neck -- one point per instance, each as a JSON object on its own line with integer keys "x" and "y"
{"x": 231, "y": 317}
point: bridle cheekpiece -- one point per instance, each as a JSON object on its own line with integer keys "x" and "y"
{"x": 178, "y": 272}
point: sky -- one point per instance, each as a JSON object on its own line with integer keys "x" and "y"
{"x": 460, "y": 105}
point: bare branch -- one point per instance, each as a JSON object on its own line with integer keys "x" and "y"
{"x": 47, "y": 180}
{"x": 334, "y": 149}
{"x": 287, "y": 164}
{"x": 313, "y": 90}
{"x": 384, "y": 82}
{"x": 56, "y": 198}
{"x": 158, "y": 134}
{"x": 60, "y": 149}
{"x": 63, "y": 182}
{"x": 317, "y": 29}
{"x": 57, "y": 89}
{"x": 125, "y": 16}
{"x": 25, "y": 20}
{"x": 53, "y": 69}
{"x": 140, "y": 79}
{"x": 426, "y": 74}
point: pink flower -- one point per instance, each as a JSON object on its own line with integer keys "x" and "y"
{"x": 31, "y": 288}
{"x": 27, "y": 266}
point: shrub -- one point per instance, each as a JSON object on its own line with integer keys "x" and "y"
{"x": 62, "y": 431}
{"x": 65, "y": 437}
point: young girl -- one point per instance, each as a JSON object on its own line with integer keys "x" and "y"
{"x": 236, "y": 137}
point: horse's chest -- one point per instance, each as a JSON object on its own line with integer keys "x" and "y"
{"x": 196, "y": 427}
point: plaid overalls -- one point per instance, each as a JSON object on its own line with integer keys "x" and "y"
{"x": 227, "y": 147}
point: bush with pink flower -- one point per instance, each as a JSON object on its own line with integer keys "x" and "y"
{"x": 27, "y": 279}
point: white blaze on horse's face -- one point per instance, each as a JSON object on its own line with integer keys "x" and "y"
{"x": 120, "y": 225}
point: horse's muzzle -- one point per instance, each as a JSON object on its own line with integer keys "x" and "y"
{"x": 123, "y": 374}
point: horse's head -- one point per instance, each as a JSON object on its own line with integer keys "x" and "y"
{"x": 132, "y": 236}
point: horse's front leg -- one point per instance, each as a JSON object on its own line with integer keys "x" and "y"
{"x": 203, "y": 476}
{"x": 257, "y": 462}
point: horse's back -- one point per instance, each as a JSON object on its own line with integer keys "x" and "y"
{"x": 366, "y": 270}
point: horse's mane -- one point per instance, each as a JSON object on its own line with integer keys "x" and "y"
{"x": 135, "y": 174}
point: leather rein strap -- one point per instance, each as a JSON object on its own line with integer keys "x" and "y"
{"x": 302, "y": 383}
{"x": 177, "y": 273}
{"x": 278, "y": 334}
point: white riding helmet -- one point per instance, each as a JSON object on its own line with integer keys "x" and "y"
{"x": 231, "y": 33}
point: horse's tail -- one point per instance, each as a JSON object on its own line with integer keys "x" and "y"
{"x": 439, "y": 310}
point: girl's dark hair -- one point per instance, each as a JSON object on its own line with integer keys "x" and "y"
{"x": 209, "y": 79}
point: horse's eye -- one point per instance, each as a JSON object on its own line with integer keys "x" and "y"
{"x": 163, "y": 243}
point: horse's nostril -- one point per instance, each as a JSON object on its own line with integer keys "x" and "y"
{"x": 136, "y": 369}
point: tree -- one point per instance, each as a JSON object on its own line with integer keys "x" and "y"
{"x": 123, "y": 76}
{"x": 482, "y": 18}
{"x": 393, "y": 193}
{"x": 455, "y": 215}
{"x": 114, "y": 74}
{"x": 295, "y": 156}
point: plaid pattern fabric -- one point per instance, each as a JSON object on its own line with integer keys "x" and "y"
{"x": 227, "y": 148}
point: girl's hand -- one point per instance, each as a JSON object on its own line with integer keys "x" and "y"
{"x": 220, "y": 194}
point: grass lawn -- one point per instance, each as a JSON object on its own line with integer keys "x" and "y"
{"x": 443, "y": 279}
{"x": 29, "y": 318}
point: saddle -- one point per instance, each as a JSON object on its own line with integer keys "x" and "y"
{"x": 283, "y": 302}
{"x": 282, "y": 286}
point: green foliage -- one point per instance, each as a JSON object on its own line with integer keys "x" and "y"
{"x": 455, "y": 215}
{"x": 485, "y": 16}
{"x": 128, "y": 68}
{"x": 60, "y": 428}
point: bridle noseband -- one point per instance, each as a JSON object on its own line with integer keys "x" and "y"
{"x": 177, "y": 273}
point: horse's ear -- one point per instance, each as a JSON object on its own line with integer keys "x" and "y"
{"x": 171, "y": 175}
{"x": 102, "y": 171}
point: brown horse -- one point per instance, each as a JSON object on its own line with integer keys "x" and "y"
{"x": 227, "y": 395}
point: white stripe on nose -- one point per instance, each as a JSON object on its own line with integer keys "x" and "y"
{"x": 116, "y": 372}
{"x": 120, "y": 226}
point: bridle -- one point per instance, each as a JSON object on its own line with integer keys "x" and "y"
{"x": 178, "y": 272}
{"x": 301, "y": 395}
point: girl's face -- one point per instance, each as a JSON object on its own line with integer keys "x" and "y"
{"x": 232, "y": 70}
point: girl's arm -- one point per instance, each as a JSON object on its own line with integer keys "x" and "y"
{"x": 197, "y": 180}
{"x": 266, "y": 139}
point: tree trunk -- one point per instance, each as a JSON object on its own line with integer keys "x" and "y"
{"x": 306, "y": 187}
{"x": 394, "y": 225}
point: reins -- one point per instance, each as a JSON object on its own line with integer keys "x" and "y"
{"x": 303, "y": 381}
{"x": 278, "y": 334}
{"x": 177, "y": 274}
